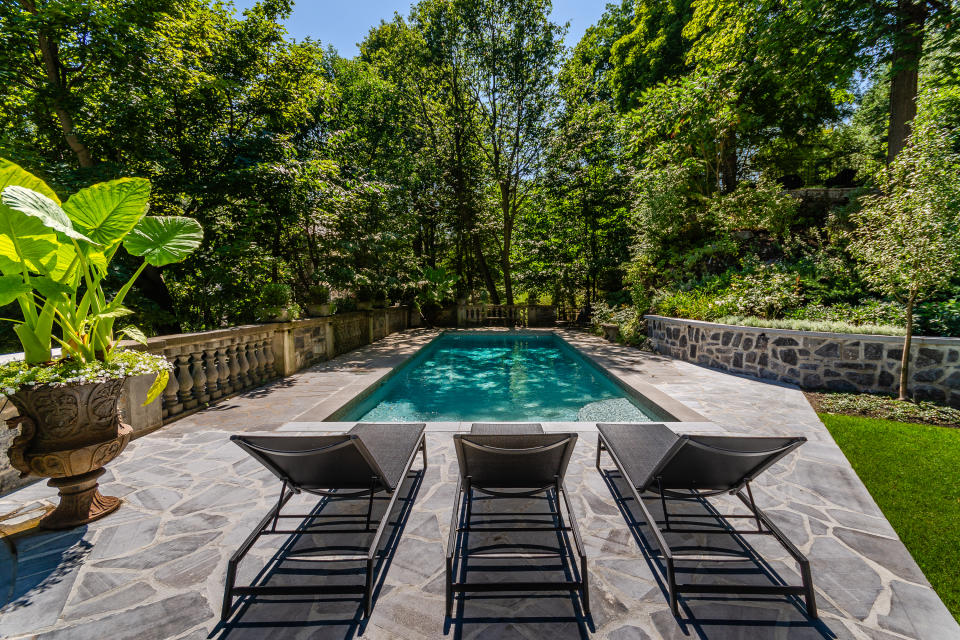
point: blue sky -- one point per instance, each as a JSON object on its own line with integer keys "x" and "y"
{"x": 343, "y": 23}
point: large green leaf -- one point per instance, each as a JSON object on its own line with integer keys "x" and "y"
{"x": 164, "y": 239}
{"x": 12, "y": 174}
{"x": 24, "y": 238}
{"x": 108, "y": 211}
{"x": 39, "y": 206}
{"x": 11, "y": 287}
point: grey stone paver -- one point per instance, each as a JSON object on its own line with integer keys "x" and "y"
{"x": 155, "y": 568}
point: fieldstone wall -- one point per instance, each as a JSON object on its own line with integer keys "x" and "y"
{"x": 814, "y": 360}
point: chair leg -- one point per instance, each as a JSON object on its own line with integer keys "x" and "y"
{"x": 585, "y": 588}
{"x": 672, "y": 588}
{"x": 599, "y": 450}
{"x": 809, "y": 596}
{"x": 368, "y": 591}
{"x": 228, "y": 591}
{"x": 449, "y": 594}
{"x": 373, "y": 490}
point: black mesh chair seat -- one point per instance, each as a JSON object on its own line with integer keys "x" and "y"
{"x": 368, "y": 459}
{"x": 517, "y": 462}
{"x": 659, "y": 464}
{"x": 653, "y": 455}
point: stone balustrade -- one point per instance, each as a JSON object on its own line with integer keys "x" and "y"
{"x": 814, "y": 360}
{"x": 512, "y": 315}
{"x": 212, "y": 365}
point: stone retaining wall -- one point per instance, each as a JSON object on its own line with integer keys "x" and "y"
{"x": 814, "y": 360}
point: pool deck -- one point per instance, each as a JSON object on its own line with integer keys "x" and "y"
{"x": 155, "y": 568}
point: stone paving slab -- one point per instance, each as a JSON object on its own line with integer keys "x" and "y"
{"x": 155, "y": 568}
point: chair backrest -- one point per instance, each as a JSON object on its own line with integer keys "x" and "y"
{"x": 715, "y": 463}
{"x": 315, "y": 462}
{"x": 514, "y": 461}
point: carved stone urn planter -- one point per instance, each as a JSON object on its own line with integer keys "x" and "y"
{"x": 68, "y": 433}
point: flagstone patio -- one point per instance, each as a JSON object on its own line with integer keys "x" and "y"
{"x": 155, "y": 568}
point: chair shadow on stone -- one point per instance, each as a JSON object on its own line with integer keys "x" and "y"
{"x": 322, "y": 616}
{"x": 547, "y": 555}
{"x": 744, "y": 562}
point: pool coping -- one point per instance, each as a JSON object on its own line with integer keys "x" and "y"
{"x": 647, "y": 395}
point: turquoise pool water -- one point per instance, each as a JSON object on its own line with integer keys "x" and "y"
{"x": 474, "y": 377}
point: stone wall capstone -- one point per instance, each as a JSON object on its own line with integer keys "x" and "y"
{"x": 814, "y": 360}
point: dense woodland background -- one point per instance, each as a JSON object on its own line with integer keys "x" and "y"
{"x": 644, "y": 168}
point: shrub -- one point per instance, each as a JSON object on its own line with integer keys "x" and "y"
{"x": 765, "y": 293}
{"x": 826, "y": 326}
{"x": 696, "y": 304}
{"x": 274, "y": 300}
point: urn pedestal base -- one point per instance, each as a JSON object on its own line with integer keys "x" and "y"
{"x": 80, "y": 501}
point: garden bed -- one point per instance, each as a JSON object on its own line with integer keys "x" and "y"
{"x": 884, "y": 407}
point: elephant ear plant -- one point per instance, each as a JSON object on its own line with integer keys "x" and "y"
{"x": 54, "y": 258}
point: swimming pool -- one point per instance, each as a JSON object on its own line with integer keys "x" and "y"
{"x": 515, "y": 377}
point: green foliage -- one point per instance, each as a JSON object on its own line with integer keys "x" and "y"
{"x": 884, "y": 407}
{"x": 910, "y": 471}
{"x": 276, "y": 300}
{"x": 907, "y": 238}
{"x": 826, "y": 326}
{"x": 762, "y": 206}
{"x": 121, "y": 363}
{"x": 55, "y": 271}
{"x": 436, "y": 286}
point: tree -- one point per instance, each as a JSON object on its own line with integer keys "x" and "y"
{"x": 511, "y": 54}
{"x": 907, "y": 238}
{"x": 837, "y": 38}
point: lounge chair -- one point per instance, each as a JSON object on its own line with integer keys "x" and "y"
{"x": 513, "y": 461}
{"x": 658, "y": 464}
{"x": 368, "y": 459}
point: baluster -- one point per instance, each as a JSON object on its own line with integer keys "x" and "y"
{"x": 186, "y": 381}
{"x": 212, "y": 371}
{"x": 223, "y": 366}
{"x": 256, "y": 366}
{"x": 235, "y": 382}
{"x": 243, "y": 374}
{"x": 200, "y": 392}
{"x": 269, "y": 372}
{"x": 171, "y": 404}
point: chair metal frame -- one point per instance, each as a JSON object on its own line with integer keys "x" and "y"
{"x": 464, "y": 494}
{"x": 744, "y": 493}
{"x": 268, "y": 526}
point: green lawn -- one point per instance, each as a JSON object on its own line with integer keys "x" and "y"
{"x": 913, "y": 472}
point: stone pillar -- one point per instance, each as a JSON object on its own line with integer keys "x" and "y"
{"x": 199, "y": 375}
{"x": 186, "y": 381}
{"x": 143, "y": 419}
{"x": 224, "y": 384}
{"x": 331, "y": 347}
{"x": 236, "y": 383}
{"x": 243, "y": 376}
{"x": 212, "y": 371}
{"x": 171, "y": 401}
{"x": 269, "y": 368}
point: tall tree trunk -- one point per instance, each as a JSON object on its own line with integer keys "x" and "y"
{"x": 485, "y": 270}
{"x": 905, "y": 359}
{"x": 904, "y": 70}
{"x": 52, "y": 67}
{"x": 728, "y": 164}
{"x": 151, "y": 285}
{"x": 508, "y": 213}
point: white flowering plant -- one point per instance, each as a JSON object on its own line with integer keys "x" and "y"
{"x": 68, "y": 371}
{"x": 54, "y": 257}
